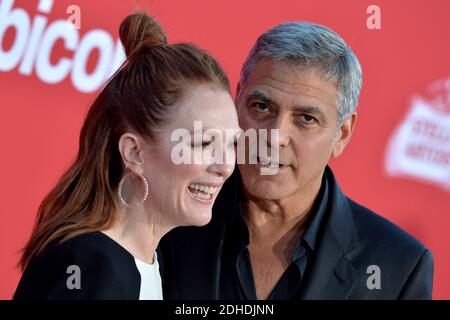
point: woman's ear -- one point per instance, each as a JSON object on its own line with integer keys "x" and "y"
{"x": 344, "y": 134}
{"x": 131, "y": 150}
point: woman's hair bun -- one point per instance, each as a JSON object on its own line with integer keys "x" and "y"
{"x": 138, "y": 28}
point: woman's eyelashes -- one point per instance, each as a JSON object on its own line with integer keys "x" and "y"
{"x": 201, "y": 144}
{"x": 217, "y": 142}
{"x": 215, "y": 148}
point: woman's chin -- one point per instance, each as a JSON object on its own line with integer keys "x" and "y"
{"x": 196, "y": 218}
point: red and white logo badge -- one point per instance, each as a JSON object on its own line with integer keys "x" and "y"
{"x": 420, "y": 146}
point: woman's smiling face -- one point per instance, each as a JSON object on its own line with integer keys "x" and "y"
{"x": 184, "y": 193}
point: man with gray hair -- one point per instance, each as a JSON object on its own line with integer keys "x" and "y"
{"x": 294, "y": 234}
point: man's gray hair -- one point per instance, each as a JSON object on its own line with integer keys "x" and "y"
{"x": 316, "y": 47}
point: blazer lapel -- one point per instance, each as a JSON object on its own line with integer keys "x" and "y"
{"x": 332, "y": 275}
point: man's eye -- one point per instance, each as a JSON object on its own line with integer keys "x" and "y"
{"x": 307, "y": 119}
{"x": 260, "y": 107}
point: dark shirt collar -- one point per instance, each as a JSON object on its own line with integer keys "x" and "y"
{"x": 316, "y": 216}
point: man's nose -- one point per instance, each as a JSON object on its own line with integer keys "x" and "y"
{"x": 283, "y": 125}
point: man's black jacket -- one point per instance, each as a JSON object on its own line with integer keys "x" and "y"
{"x": 352, "y": 240}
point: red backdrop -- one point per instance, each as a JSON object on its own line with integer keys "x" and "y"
{"x": 398, "y": 162}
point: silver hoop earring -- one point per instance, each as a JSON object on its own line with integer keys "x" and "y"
{"x": 119, "y": 190}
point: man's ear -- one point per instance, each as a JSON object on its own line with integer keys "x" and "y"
{"x": 344, "y": 134}
{"x": 130, "y": 148}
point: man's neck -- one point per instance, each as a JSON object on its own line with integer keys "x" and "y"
{"x": 274, "y": 228}
{"x": 281, "y": 218}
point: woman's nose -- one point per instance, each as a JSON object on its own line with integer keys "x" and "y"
{"x": 222, "y": 169}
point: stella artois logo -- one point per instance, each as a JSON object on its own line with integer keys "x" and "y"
{"x": 420, "y": 145}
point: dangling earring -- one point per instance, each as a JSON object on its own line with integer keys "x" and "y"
{"x": 119, "y": 190}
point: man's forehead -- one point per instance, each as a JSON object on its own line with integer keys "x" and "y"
{"x": 285, "y": 69}
{"x": 279, "y": 77}
{"x": 300, "y": 93}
